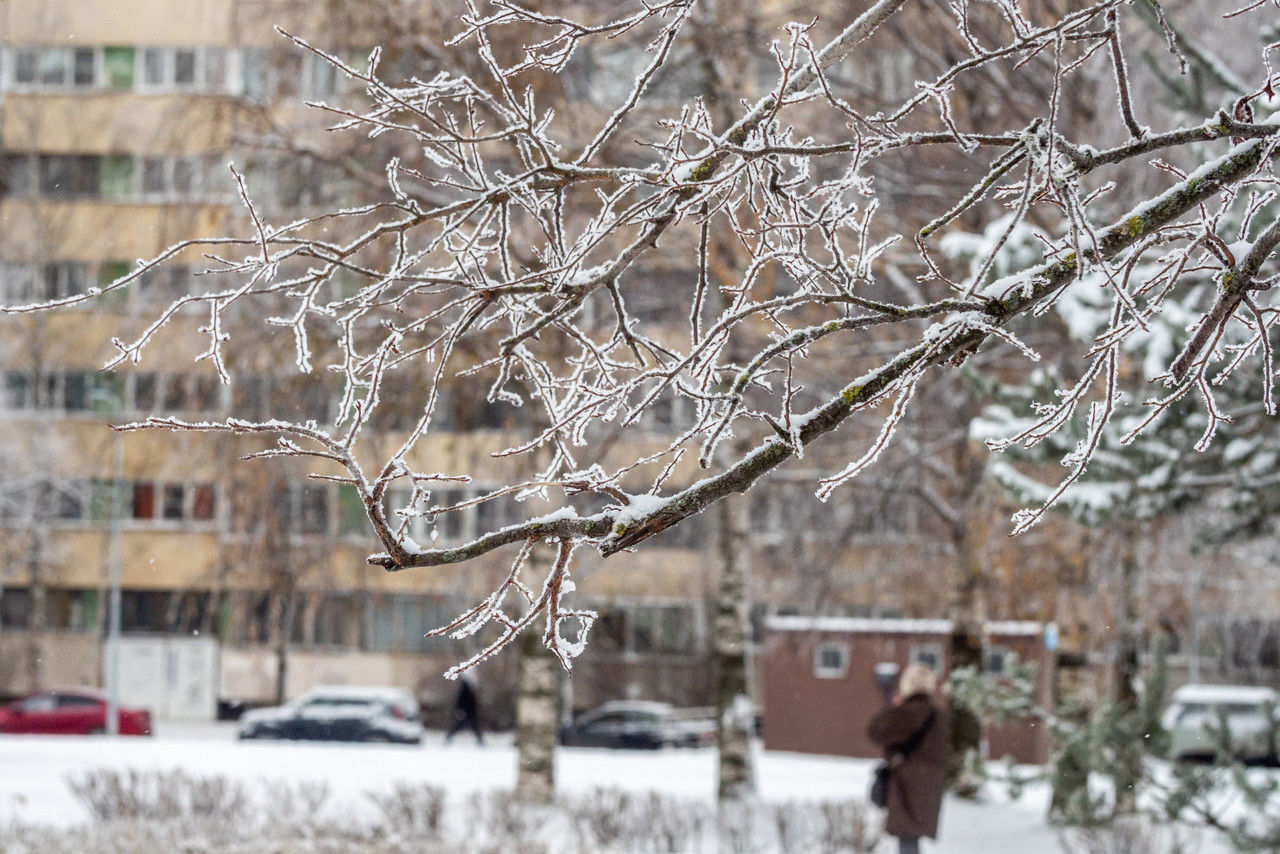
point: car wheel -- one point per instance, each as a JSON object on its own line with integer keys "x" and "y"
{"x": 377, "y": 738}
{"x": 97, "y": 731}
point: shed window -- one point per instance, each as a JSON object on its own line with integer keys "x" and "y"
{"x": 831, "y": 660}
{"x": 928, "y": 654}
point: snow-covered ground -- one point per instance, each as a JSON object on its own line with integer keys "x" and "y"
{"x": 34, "y": 771}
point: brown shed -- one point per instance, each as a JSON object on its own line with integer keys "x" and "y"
{"x": 824, "y": 677}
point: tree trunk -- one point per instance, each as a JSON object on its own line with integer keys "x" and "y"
{"x": 536, "y": 713}
{"x": 735, "y": 779}
{"x": 967, "y": 614}
{"x": 286, "y": 606}
{"x": 1125, "y": 675}
{"x": 37, "y": 624}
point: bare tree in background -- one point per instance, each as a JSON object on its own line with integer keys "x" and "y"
{"x": 504, "y": 237}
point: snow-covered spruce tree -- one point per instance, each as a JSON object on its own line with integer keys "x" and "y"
{"x": 1137, "y": 476}
{"x": 503, "y": 251}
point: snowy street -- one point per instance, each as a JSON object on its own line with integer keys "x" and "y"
{"x": 33, "y": 786}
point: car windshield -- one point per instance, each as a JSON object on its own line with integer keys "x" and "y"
{"x": 607, "y": 719}
{"x": 315, "y": 702}
{"x": 40, "y": 703}
{"x": 1194, "y": 710}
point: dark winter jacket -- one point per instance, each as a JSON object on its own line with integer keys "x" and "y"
{"x": 917, "y": 784}
{"x": 467, "y": 703}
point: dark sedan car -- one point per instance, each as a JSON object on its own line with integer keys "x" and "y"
{"x": 638, "y": 725}
{"x": 69, "y": 712}
{"x": 339, "y": 713}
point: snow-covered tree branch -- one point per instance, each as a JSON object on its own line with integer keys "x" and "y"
{"x": 519, "y": 229}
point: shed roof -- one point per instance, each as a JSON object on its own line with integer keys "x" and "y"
{"x": 882, "y": 625}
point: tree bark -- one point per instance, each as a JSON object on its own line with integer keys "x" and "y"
{"x": 967, "y": 610}
{"x": 735, "y": 779}
{"x": 537, "y": 715}
{"x": 38, "y": 623}
{"x": 286, "y": 605}
{"x": 1126, "y": 673}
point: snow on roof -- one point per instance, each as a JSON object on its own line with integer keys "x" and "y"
{"x": 1224, "y": 694}
{"x": 359, "y": 692}
{"x": 867, "y": 625}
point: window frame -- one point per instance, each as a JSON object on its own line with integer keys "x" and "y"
{"x": 928, "y": 653}
{"x": 823, "y": 670}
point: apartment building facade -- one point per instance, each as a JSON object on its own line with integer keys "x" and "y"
{"x": 117, "y": 124}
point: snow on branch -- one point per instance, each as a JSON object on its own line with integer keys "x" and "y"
{"x": 636, "y": 274}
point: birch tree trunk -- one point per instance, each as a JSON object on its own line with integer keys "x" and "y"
{"x": 536, "y": 708}
{"x": 735, "y": 778}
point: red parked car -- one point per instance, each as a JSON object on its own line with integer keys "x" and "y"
{"x": 69, "y": 712}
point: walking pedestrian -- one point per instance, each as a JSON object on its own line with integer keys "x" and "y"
{"x": 466, "y": 710}
{"x": 915, "y": 732}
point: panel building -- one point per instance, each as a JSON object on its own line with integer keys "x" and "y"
{"x": 117, "y": 124}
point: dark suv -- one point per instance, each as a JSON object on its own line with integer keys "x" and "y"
{"x": 639, "y": 725}
{"x": 339, "y": 714}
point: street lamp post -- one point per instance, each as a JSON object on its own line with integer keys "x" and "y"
{"x": 113, "y": 608}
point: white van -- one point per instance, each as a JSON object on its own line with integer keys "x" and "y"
{"x": 1194, "y": 721}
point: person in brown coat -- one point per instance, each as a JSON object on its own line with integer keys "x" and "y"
{"x": 918, "y": 780}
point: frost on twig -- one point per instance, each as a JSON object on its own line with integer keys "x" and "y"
{"x": 599, "y": 268}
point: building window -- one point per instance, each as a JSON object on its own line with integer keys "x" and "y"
{"x": 109, "y": 499}
{"x": 62, "y": 279}
{"x": 645, "y": 629}
{"x": 183, "y": 69}
{"x": 334, "y": 619}
{"x": 661, "y": 629}
{"x": 144, "y": 610}
{"x": 996, "y": 661}
{"x": 309, "y": 509}
{"x": 116, "y": 177}
{"x": 928, "y": 654}
{"x": 106, "y": 392}
{"x": 71, "y": 610}
{"x": 173, "y": 502}
{"x": 451, "y": 526}
{"x": 144, "y": 392}
{"x": 96, "y": 391}
{"x": 25, "y": 62}
{"x": 15, "y": 608}
{"x": 144, "y": 501}
{"x": 399, "y": 622}
{"x": 67, "y": 175}
{"x": 16, "y": 176}
{"x": 352, "y": 521}
{"x": 831, "y": 660}
{"x": 268, "y": 73}
{"x": 203, "y": 502}
{"x": 64, "y": 500}
{"x": 55, "y": 66}
{"x": 118, "y": 67}
{"x": 18, "y": 390}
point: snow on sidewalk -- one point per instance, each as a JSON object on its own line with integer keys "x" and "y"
{"x": 34, "y": 770}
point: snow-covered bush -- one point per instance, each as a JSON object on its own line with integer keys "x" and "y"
{"x": 411, "y": 810}
{"x": 136, "y": 811}
{"x": 112, "y": 795}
